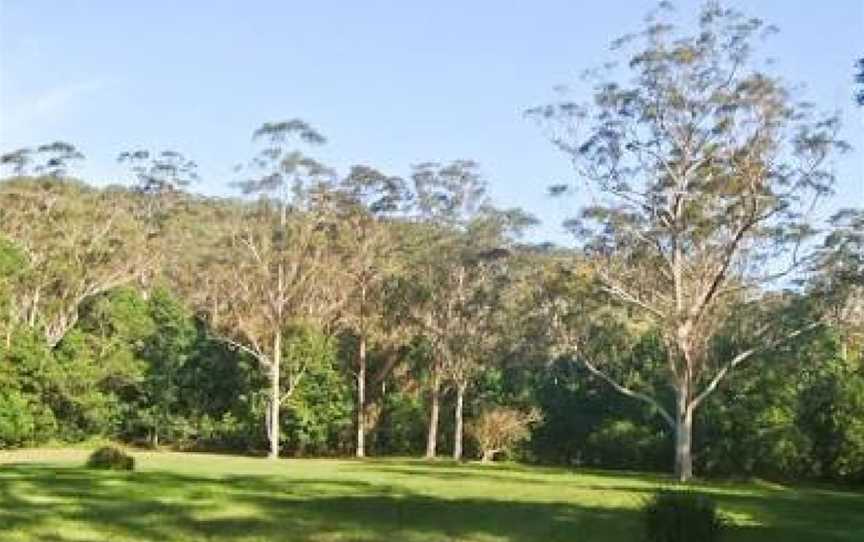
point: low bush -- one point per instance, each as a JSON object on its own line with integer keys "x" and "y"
{"x": 681, "y": 516}
{"x": 112, "y": 458}
{"x": 499, "y": 429}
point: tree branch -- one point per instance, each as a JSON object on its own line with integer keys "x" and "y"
{"x": 616, "y": 289}
{"x": 743, "y": 356}
{"x": 630, "y": 393}
{"x": 262, "y": 359}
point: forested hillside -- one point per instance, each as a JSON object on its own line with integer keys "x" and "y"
{"x": 702, "y": 321}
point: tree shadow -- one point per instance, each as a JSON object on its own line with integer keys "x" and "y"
{"x": 51, "y": 503}
{"x": 797, "y": 514}
{"x": 40, "y": 502}
{"x": 504, "y": 472}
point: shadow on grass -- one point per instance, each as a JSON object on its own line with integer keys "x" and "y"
{"x": 40, "y": 502}
{"x": 447, "y": 470}
{"x": 62, "y": 504}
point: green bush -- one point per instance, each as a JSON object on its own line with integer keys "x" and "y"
{"x": 16, "y": 420}
{"x": 681, "y": 516}
{"x": 112, "y": 458}
{"x": 623, "y": 444}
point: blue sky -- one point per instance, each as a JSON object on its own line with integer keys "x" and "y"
{"x": 391, "y": 83}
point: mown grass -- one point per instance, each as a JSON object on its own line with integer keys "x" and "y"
{"x": 48, "y": 496}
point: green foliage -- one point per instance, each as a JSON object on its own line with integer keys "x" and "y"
{"x": 832, "y": 411}
{"x": 228, "y": 432}
{"x": 85, "y": 372}
{"x": 401, "y": 426}
{"x": 140, "y": 366}
{"x": 586, "y": 424}
{"x": 165, "y": 353}
{"x": 100, "y": 364}
{"x": 111, "y": 458}
{"x": 625, "y": 444}
{"x": 26, "y": 374}
{"x": 221, "y": 397}
{"x": 17, "y": 426}
{"x": 797, "y": 415}
{"x": 681, "y": 516}
{"x": 318, "y": 418}
{"x": 12, "y": 259}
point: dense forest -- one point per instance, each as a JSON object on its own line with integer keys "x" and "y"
{"x": 702, "y": 321}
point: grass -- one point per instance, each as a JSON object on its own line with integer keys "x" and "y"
{"x": 47, "y": 495}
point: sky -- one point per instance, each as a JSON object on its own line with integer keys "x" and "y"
{"x": 390, "y": 83}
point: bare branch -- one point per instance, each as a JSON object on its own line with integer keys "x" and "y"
{"x": 630, "y": 393}
{"x": 262, "y": 359}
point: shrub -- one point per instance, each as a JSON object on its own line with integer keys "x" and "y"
{"x": 623, "y": 444}
{"x": 498, "y": 429}
{"x": 681, "y": 516}
{"x": 16, "y": 420}
{"x": 112, "y": 458}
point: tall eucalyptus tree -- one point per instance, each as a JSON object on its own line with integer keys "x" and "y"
{"x": 274, "y": 260}
{"x": 703, "y": 171}
{"x": 369, "y": 251}
{"x": 161, "y": 179}
{"x": 447, "y": 197}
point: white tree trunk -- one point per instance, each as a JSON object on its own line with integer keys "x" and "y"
{"x": 683, "y": 439}
{"x": 457, "y": 432}
{"x": 361, "y": 398}
{"x": 432, "y": 436}
{"x": 275, "y": 399}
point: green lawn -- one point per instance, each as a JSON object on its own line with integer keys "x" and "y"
{"x": 47, "y": 496}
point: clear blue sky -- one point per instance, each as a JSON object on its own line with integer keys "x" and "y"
{"x": 391, "y": 83}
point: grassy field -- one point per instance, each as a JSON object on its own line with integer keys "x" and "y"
{"x": 46, "y": 495}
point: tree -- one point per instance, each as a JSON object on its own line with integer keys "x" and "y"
{"x": 77, "y": 241}
{"x": 49, "y": 160}
{"x": 447, "y": 197}
{"x": 707, "y": 169}
{"x": 369, "y": 251}
{"x": 475, "y": 334}
{"x": 498, "y": 429}
{"x": 838, "y": 285}
{"x": 158, "y": 173}
{"x": 461, "y": 272}
{"x": 97, "y": 362}
{"x": 842, "y": 255}
{"x": 12, "y": 263}
{"x": 319, "y": 415}
{"x": 165, "y": 351}
{"x": 160, "y": 179}
{"x": 274, "y": 261}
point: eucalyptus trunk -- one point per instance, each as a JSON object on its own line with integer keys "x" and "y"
{"x": 361, "y": 397}
{"x": 683, "y": 437}
{"x": 432, "y": 436}
{"x": 457, "y": 432}
{"x": 275, "y": 400}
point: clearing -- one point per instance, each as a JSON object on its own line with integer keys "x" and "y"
{"x": 46, "y": 495}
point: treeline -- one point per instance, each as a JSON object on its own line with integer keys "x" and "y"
{"x": 700, "y": 321}
{"x": 141, "y": 359}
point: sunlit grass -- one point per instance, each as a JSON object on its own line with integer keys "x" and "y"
{"x": 47, "y": 495}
